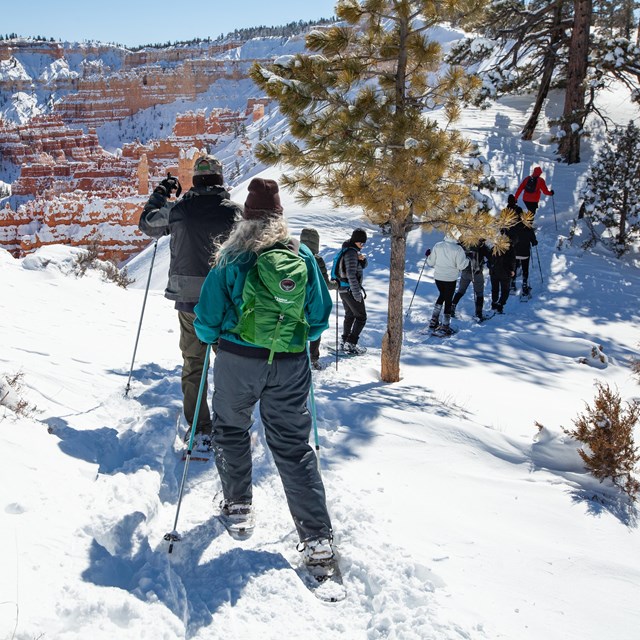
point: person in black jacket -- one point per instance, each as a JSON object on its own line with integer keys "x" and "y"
{"x": 351, "y": 291}
{"x": 522, "y": 237}
{"x": 501, "y": 269}
{"x": 197, "y": 223}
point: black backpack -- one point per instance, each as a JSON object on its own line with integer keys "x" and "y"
{"x": 532, "y": 182}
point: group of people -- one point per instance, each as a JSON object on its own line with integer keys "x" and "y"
{"x": 216, "y": 249}
{"x": 451, "y": 261}
{"x": 216, "y": 246}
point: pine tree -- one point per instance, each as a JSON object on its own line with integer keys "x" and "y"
{"x": 606, "y": 429}
{"x": 574, "y": 45}
{"x": 361, "y": 107}
{"x": 612, "y": 192}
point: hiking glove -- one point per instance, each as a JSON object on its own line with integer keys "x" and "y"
{"x": 552, "y": 192}
{"x": 168, "y": 185}
{"x": 427, "y": 252}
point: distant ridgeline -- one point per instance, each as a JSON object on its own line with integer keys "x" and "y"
{"x": 61, "y": 104}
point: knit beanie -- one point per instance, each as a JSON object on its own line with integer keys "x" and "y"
{"x": 207, "y": 166}
{"x": 311, "y": 238}
{"x": 511, "y": 200}
{"x": 263, "y": 200}
{"x": 359, "y": 235}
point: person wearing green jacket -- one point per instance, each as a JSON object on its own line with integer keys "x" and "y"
{"x": 243, "y": 376}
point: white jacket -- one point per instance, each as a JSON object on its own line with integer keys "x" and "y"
{"x": 448, "y": 258}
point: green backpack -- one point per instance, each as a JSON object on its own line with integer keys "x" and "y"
{"x": 272, "y": 314}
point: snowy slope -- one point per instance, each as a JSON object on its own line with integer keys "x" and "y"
{"x": 454, "y": 515}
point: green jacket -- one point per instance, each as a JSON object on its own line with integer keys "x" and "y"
{"x": 218, "y": 311}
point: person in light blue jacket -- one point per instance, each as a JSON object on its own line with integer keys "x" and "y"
{"x": 243, "y": 376}
{"x": 448, "y": 259}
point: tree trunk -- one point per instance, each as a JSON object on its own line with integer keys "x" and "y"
{"x": 392, "y": 339}
{"x": 543, "y": 90}
{"x": 622, "y": 227}
{"x": 547, "y": 74}
{"x": 574, "y": 100}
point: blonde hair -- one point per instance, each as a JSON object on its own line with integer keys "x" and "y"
{"x": 251, "y": 236}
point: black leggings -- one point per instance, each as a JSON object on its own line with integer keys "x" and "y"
{"x": 355, "y": 317}
{"x": 446, "y": 289}
{"x": 524, "y": 263}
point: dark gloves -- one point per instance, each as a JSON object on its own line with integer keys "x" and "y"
{"x": 534, "y": 243}
{"x": 552, "y": 192}
{"x": 427, "y": 252}
{"x": 168, "y": 185}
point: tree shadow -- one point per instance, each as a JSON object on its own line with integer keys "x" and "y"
{"x": 598, "y": 502}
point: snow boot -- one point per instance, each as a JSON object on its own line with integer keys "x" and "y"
{"x": 435, "y": 317}
{"x": 445, "y": 327}
{"x": 319, "y": 557}
{"x": 479, "y": 305}
{"x": 354, "y": 349}
{"x": 238, "y": 519}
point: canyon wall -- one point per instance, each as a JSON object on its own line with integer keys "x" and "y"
{"x": 69, "y": 189}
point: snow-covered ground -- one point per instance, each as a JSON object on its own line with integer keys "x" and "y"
{"x": 455, "y": 516}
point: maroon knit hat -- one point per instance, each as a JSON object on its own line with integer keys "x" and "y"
{"x": 263, "y": 200}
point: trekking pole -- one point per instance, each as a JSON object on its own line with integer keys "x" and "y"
{"x": 174, "y": 536}
{"x": 417, "y": 283}
{"x": 553, "y": 202}
{"x": 539, "y": 267}
{"x": 314, "y": 420}
{"x": 337, "y": 290}
{"x": 144, "y": 302}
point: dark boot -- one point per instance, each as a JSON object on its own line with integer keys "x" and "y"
{"x": 479, "y": 305}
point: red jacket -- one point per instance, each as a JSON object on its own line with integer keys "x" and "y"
{"x": 541, "y": 186}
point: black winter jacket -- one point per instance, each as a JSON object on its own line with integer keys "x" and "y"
{"x": 203, "y": 216}
{"x": 501, "y": 266}
{"x": 477, "y": 255}
{"x": 351, "y": 269}
{"x": 522, "y": 239}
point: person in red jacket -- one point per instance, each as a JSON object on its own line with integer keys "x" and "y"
{"x": 531, "y": 188}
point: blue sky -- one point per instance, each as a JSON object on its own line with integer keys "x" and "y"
{"x": 137, "y": 22}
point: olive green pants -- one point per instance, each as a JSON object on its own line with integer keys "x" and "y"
{"x": 193, "y": 354}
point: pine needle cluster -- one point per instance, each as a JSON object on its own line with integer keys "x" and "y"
{"x": 606, "y": 429}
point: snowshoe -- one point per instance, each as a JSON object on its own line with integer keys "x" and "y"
{"x": 320, "y": 571}
{"x": 238, "y": 519}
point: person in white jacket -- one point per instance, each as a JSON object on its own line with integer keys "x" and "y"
{"x": 448, "y": 259}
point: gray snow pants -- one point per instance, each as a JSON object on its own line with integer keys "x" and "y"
{"x": 465, "y": 281}
{"x": 282, "y": 388}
